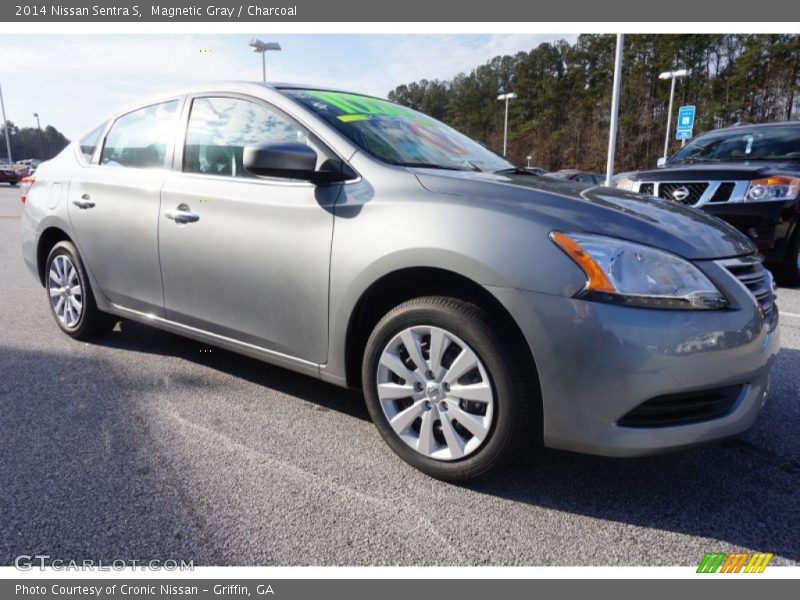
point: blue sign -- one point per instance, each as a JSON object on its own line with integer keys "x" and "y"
{"x": 685, "y": 124}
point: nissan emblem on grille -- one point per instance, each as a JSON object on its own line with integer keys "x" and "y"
{"x": 680, "y": 194}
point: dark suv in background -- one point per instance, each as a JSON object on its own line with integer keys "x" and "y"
{"x": 747, "y": 175}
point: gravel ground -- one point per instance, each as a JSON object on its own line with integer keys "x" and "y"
{"x": 146, "y": 445}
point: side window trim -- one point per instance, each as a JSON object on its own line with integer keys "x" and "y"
{"x": 169, "y": 155}
{"x": 100, "y": 142}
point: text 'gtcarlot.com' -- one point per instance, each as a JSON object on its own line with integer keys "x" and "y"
{"x": 26, "y": 562}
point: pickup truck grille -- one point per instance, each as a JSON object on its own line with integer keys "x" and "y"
{"x": 693, "y": 193}
{"x": 723, "y": 193}
{"x": 685, "y": 193}
{"x": 758, "y": 281}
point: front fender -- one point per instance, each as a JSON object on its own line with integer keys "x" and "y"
{"x": 410, "y": 227}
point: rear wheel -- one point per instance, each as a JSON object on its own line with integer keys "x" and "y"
{"x": 443, "y": 388}
{"x": 70, "y": 295}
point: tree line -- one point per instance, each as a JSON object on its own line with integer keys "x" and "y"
{"x": 561, "y": 116}
{"x": 30, "y": 142}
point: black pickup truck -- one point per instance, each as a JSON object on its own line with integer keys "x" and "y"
{"x": 747, "y": 175}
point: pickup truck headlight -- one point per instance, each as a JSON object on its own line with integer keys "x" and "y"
{"x": 772, "y": 188}
{"x": 622, "y": 272}
{"x": 626, "y": 183}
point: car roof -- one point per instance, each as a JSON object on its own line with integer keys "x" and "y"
{"x": 746, "y": 126}
{"x": 229, "y": 86}
{"x": 238, "y": 86}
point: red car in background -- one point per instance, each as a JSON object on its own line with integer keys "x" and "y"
{"x": 12, "y": 174}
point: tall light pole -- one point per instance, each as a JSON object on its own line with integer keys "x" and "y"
{"x": 5, "y": 127}
{"x": 673, "y": 75}
{"x": 506, "y": 97}
{"x": 612, "y": 134}
{"x": 263, "y": 48}
{"x": 41, "y": 140}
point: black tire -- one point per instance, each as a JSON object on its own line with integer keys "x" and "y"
{"x": 510, "y": 431}
{"x": 92, "y": 322}
{"x": 790, "y": 271}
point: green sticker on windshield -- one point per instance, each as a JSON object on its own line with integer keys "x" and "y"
{"x": 362, "y": 108}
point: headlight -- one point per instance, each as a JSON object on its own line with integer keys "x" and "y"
{"x": 772, "y": 188}
{"x": 626, "y": 183}
{"x": 622, "y": 272}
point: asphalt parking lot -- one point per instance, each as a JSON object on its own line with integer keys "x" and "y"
{"x": 145, "y": 445}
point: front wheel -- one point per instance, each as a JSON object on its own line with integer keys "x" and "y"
{"x": 443, "y": 388}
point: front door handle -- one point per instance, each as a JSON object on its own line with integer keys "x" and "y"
{"x": 182, "y": 214}
{"x": 84, "y": 202}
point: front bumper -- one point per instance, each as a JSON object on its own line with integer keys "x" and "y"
{"x": 768, "y": 224}
{"x": 596, "y": 362}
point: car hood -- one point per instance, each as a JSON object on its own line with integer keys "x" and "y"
{"x": 715, "y": 171}
{"x": 569, "y": 206}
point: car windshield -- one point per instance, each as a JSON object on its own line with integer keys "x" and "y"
{"x": 398, "y": 135}
{"x": 774, "y": 143}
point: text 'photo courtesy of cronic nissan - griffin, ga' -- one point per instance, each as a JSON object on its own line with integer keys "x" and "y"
{"x": 482, "y": 309}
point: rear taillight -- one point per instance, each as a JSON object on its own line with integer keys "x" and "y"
{"x": 24, "y": 185}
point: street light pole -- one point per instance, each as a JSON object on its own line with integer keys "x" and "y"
{"x": 673, "y": 75}
{"x": 263, "y": 48}
{"x": 5, "y": 127}
{"x": 41, "y": 139}
{"x": 612, "y": 134}
{"x": 506, "y": 97}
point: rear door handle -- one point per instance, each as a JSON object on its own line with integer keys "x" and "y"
{"x": 84, "y": 202}
{"x": 182, "y": 214}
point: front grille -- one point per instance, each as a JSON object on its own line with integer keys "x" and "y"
{"x": 688, "y": 193}
{"x": 683, "y": 409}
{"x": 646, "y": 188}
{"x": 723, "y": 192}
{"x": 758, "y": 282}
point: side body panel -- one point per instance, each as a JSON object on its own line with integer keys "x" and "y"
{"x": 254, "y": 267}
{"x": 117, "y": 236}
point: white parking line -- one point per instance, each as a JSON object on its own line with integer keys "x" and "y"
{"x": 788, "y": 314}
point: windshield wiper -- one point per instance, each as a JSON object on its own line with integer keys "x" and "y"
{"x": 694, "y": 160}
{"x": 761, "y": 159}
{"x": 424, "y": 165}
{"x": 473, "y": 166}
{"x": 513, "y": 171}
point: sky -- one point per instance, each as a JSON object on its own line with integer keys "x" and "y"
{"x": 74, "y": 82}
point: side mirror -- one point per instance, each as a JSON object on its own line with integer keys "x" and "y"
{"x": 661, "y": 162}
{"x": 288, "y": 160}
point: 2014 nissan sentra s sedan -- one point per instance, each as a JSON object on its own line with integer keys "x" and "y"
{"x": 480, "y": 308}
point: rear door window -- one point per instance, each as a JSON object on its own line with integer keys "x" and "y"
{"x": 140, "y": 139}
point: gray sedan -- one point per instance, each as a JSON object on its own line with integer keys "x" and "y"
{"x": 480, "y": 308}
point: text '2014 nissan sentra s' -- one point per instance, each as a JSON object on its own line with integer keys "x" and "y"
{"x": 480, "y": 308}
